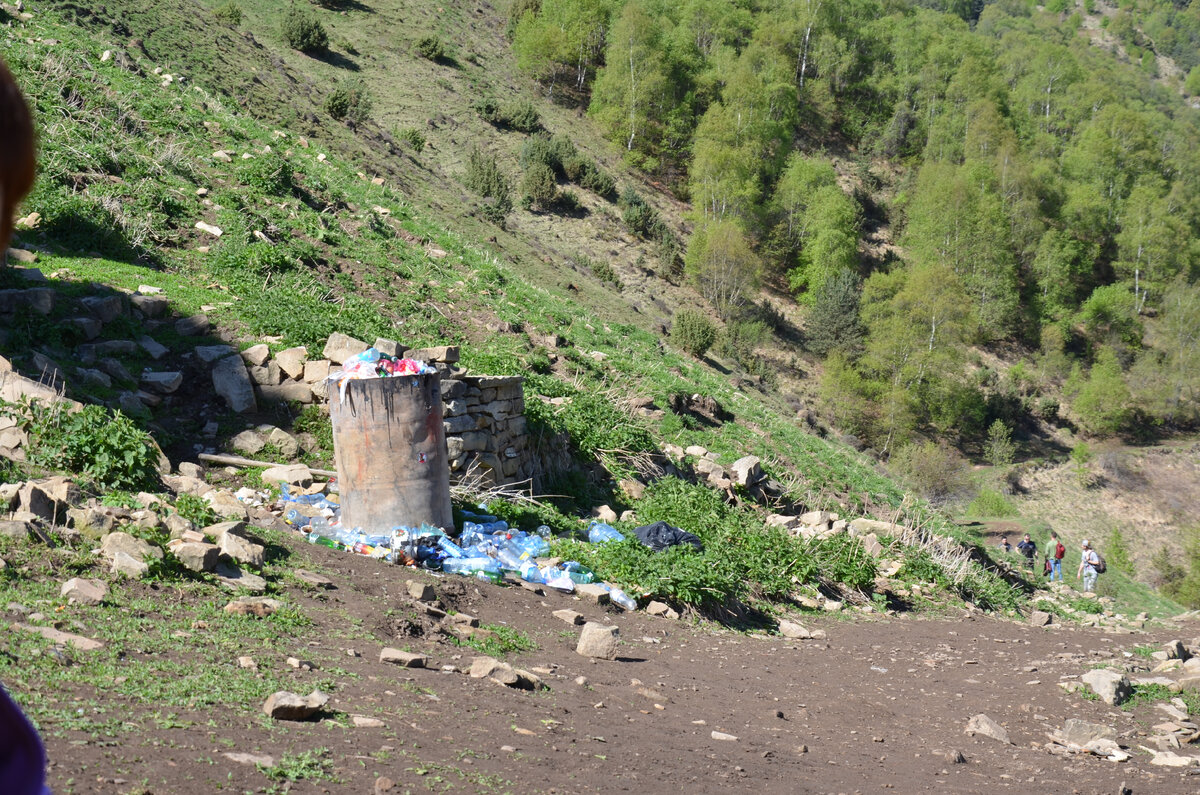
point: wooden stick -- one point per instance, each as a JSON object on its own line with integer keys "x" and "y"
{"x": 238, "y": 461}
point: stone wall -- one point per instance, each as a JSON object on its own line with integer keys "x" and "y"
{"x": 484, "y": 418}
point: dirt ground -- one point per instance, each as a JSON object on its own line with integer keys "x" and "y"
{"x": 880, "y": 704}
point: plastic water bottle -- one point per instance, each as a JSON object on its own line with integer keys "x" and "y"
{"x": 531, "y": 573}
{"x": 450, "y": 548}
{"x": 544, "y": 531}
{"x": 601, "y": 533}
{"x": 558, "y": 579}
{"x": 320, "y": 540}
{"x": 621, "y": 598}
{"x": 535, "y": 546}
{"x": 579, "y": 573}
{"x": 512, "y": 557}
{"x": 470, "y": 565}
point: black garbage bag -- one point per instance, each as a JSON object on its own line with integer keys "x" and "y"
{"x": 660, "y": 535}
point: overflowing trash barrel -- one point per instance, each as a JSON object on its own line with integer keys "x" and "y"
{"x": 390, "y": 448}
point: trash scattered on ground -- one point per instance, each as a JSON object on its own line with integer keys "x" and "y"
{"x": 486, "y": 548}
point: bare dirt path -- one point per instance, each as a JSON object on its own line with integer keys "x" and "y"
{"x": 880, "y": 704}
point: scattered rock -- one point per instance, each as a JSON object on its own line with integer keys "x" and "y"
{"x": 84, "y": 592}
{"x": 58, "y": 636}
{"x": 247, "y": 663}
{"x": 291, "y": 361}
{"x": 289, "y": 706}
{"x": 225, "y": 504}
{"x": 193, "y": 326}
{"x": 260, "y": 760}
{"x": 598, "y": 641}
{"x": 128, "y": 566}
{"x": 232, "y": 383}
{"x": 294, "y": 474}
{"x": 363, "y": 722}
{"x": 662, "y": 609}
{"x": 570, "y": 616}
{"x": 731, "y": 738}
{"x": 404, "y": 659}
{"x": 339, "y": 347}
{"x": 982, "y": 724}
{"x": 210, "y": 353}
{"x": 242, "y": 550}
{"x": 197, "y": 556}
{"x": 421, "y": 591}
{"x": 747, "y": 470}
{"x": 18, "y": 530}
{"x": 1112, "y": 687}
{"x": 248, "y": 442}
{"x": 315, "y": 580}
{"x": 605, "y": 514}
{"x": 235, "y": 578}
{"x": 1080, "y": 732}
{"x": 592, "y": 592}
{"x": 135, "y": 548}
{"x": 1040, "y": 618}
{"x": 162, "y": 383}
{"x": 1171, "y": 759}
{"x": 153, "y": 347}
{"x": 255, "y": 354}
{"x": 790, "y": 629}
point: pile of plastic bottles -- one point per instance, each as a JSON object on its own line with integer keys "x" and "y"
{"x": 373, "y": 364}
{"x": 487, "y": 548}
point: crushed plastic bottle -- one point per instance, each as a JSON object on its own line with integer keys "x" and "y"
{"x": 621, "y": 598}
{"x": 450, "y": 548}
{"x": 601, "y": 533}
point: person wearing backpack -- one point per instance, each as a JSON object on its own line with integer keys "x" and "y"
{"x": 1090, "y": 564}
{"x": 1056, "y": 558}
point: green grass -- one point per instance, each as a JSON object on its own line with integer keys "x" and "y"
{"x": 500, "y": 641}
{"x": 311, "y": 765}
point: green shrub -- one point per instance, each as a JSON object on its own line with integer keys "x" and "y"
{"x": 303, "y": 32}
{"x": 349, "y": 101}
{"x": 540, "y": 150}
{"x": 600, "y": 269}
{"x": 937, "y": 473}
{"x": 521, "y": 116}
{"x": 195, "y": 510}
{"x": 414, "y": 138}
{"x": 597, "y": 181}
{"x": 693, "y": 333}
{"x": 106, "y": 447}
{"x": 483, "y": 176}
{"x": 230, "y": 13}
{"x": 431, "y": 48}
{"x": 269, "y": 173}
{"x": 991, "y": 503}
{"x": 539, "y": 186}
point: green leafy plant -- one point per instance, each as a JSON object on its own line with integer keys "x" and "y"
{"x": 106, "y": 447}
{"x": 500, "y": 641}
{"x": 539, "y": 186}
{"x": 304, "y": 32}
{"x": 311, "y": 765}
{"x": 195, "y": 510}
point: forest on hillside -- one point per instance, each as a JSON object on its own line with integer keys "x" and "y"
{"x": 1037, "y": 172}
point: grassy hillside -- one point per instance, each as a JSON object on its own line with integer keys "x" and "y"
{"x": 353, "y": 227}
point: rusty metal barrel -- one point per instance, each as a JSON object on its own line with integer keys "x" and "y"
{"x": 390, "y": 449}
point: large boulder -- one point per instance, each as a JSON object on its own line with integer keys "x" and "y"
{"x": 197, "y": 556}
{"x": 1112, "y": 686}
{"x": 290, "y": 706}
{"x": 233, "y": 384}
{"x": 242, "y": 550}
{"x": 598, "y": 641}
{"x": 747, "y": 470}
{"x": 135, "y": 548}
